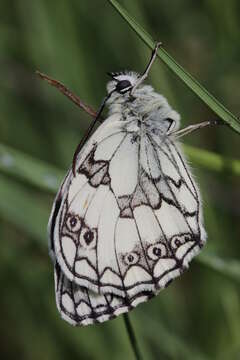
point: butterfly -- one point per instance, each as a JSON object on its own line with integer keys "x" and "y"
{"x": 127, "y": 218}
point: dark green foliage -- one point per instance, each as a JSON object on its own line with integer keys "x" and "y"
{"x": 77, "y": 42}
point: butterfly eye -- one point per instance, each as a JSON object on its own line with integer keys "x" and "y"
{"x": 73, "y": 223}
{"x": 131, "y": 258}
{"x": 88, "y": 238}
{"x": 156, "y": 251}
{"x": 122, "y": 85}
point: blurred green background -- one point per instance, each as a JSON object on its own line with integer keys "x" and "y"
{"x": 77, "y": 42}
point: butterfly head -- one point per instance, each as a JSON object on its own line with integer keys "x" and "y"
{"x": 122, "y": 82}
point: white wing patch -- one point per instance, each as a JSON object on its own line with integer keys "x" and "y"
{"x": 124, "y": 182}
{"x": 125, "y": 225}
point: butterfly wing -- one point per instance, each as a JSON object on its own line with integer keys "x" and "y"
{"x": 177, "y": 214}
{"x": 81, "y": 306}
{"x": 126, "y": 224}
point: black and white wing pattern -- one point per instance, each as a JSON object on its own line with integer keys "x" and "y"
{"x": 125, "y": 224}
{"x": 82, "y": 306}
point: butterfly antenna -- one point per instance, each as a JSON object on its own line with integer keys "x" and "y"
{"x": 146, "y": 71}
{"x": 88, "y": 133}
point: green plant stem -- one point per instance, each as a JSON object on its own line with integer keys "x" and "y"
{"x": 181, "y": 73}
{"x": 132, "y": 337}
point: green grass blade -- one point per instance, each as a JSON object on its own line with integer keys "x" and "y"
{"x": 181, "y": 73}
{"x": 23, "y": 208}
{"x": 212, "y": 161}
{"x": 33, "y": 171}
{"x": 229, "y": 267}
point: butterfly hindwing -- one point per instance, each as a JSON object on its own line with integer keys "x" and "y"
{"x": 81, "y": 306}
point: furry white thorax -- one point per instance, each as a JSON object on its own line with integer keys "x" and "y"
{"x": 144, "y": 105}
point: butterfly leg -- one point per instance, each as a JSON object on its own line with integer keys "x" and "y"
{"x": 187, "y": 130}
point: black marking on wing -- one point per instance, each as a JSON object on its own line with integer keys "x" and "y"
{"x": 56, "y": 209}
{"x": 57, "y": 205}
{"x": 113, "y": 271}
{"x": 72, "y": 286}
{"x": 145, "y": 193}
{"x": 192, "y": 183}
{"x": 175, "y": 202}
{"x": 191, "y": 236}
{"x": 104, "y": 307}
{"x": 95, "y": 170}
{"x": 177, "y": 184}
{"x": 159, "y": 224}
{"x": 195, "y": 194}
{"x": 173, "y": 161}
